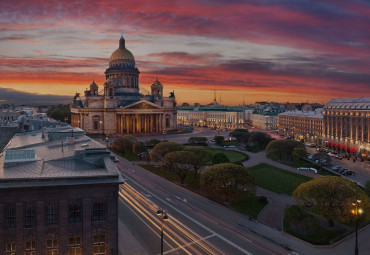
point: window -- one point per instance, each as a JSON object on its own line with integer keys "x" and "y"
{"x": 74, "y": 246}
{"x": 99, "y": 211}
{"x": 74, "y": 213}
{"x": 99, "y": 245}
{"x": 10, "y": 248}
{"x": 30, "y": 248}
{"x": 10, "y": 217}
{"x": 52, "y": 215}
{"x": 95, "y": 124}
{"x": 52, "y": 247}
{"x": 30, "y": 217}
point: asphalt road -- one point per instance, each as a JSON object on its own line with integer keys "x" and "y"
{"x": 195, "y": 226}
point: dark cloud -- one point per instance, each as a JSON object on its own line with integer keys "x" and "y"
{"x": 11, "y": 96}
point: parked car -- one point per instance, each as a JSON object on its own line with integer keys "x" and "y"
{"x": 348, "y": 172}
{"x": 336, "y": 168}
{"x": 308, "y": 169}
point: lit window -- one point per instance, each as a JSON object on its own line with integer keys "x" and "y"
{"x": 99, "y": 245}
{"x": 10, "y": 248}
{"x": 52, "y": 247}
{"x": 30, "y": 248}
{"x": 74, "y": 246}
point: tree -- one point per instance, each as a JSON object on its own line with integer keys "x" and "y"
{"x": 139, "y": 147}
{"x": 161, "y": 149}
{"x": 259, "y": 139}
{"x": 322, "y": 159}
{"x": 240, "y": 134}
{"x": 200, "y": 158}
{"x": 178, "y": 163}
{"x": 124, "y": 144}
{"x": 283, "y": 148}
{"x": 219, "y": 139}
{"x": 298, "y": 154}
{"x": 331, "y": 197}
{"x": 227, "y": 180}
{"x": 60, "y": 112}
{"x": 220, "y": 157}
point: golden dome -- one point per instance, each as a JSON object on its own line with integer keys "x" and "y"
{"x": 122, "y": 53}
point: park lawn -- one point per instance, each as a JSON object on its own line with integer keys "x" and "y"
{"x": 189, "y": 179}
{"x": 276, "y": 179}
{"x": 233, "y": 156}
{"x": 249, "y": 205}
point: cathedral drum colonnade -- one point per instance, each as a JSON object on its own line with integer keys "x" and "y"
{"x": 120, "y": 108}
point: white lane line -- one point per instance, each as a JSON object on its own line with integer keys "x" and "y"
{"x": 193, "y": 220}
{"x": 189, "y": 244}
{"x": 155, "y": 232}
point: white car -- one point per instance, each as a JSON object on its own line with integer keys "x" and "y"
{"x": 308, "y": 169}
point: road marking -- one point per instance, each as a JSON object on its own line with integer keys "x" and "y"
{"x": 238, "y": 234}
{"x": 188, "y": 244}
{"x": 155, "y": 232}
{"x": 193, "y": 220}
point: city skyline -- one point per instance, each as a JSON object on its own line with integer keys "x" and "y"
{"x": 253, "y": 51}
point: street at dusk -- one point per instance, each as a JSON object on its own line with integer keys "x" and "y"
{"x": 184, "y": 127}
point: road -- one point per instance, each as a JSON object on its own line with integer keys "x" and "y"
{"x": 195, "y": 226}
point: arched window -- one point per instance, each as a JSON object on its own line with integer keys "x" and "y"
{"x": 167, "y": 122}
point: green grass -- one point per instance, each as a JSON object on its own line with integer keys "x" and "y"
{"x": 249, "y": 205}
{"x": 228, "y": 143}
{"x": 308, "y": 228}
{"x": 304, "y": 163}
{"x": 189, "y": 179}
{"x": 233, "y": 156}
{"x": 276, "y": 179}
{"x": 131, "y": 156}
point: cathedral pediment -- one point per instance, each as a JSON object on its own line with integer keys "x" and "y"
{"x": 143, "y": 104}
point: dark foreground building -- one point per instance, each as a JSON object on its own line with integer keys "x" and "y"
{"x": 58, "y": 195}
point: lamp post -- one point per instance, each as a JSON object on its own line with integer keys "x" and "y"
{"x": 164, "y": 132}
{"x": 164, "y": 218}
{"x": 107, "y": 140}
{"x": 356, "y": 211}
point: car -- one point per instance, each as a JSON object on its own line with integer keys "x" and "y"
{"x": 349, "y": 172}
{"x": 308, "y": 169}
{"x": 336, "y": 168}
{"x": 340, "y": 157}
{"x": 115, "y": 159}
{"x": 310, "y": 157}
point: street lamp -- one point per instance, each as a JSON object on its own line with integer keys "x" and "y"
{"x": 356, "y": 211}
{"x": 164, "y": 218}
{"x": 107, "y": 140}
{"x": 164, "y": 132}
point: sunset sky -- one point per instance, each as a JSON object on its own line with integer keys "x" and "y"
{"x": 292, "y": 50}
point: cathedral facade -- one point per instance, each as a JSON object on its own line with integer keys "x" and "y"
{"x": 120, "y": 108}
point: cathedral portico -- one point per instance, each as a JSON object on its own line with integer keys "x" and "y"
{"x": 120, "y": 108}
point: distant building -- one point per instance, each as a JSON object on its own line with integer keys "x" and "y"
{"x": 264, "y": 120}
{"x": 347, "y": 125}
{"x": 302, "y": 125}
{"x": 8, "y": 115}
{"x": 119, "y": 108}
{"x": 212, "y": 116}
{"x": 58, "y": 195}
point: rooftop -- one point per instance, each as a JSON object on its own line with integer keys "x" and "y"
{"x": 314, "y": 114}
{"x": 56, "y": 156}
{"x": 358, "y": 103}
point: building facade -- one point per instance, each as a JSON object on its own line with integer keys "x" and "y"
{"x": 346, "y": 125}
{"x": 58, "y": 195}
{"x": 266, "y": 121}
{"x": 302, "y": 125}
{"x": 119, "y": 108}
{"x": 213, "y": 116}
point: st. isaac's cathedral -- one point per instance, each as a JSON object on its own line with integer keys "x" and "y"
{"x": 120, "y": 108}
